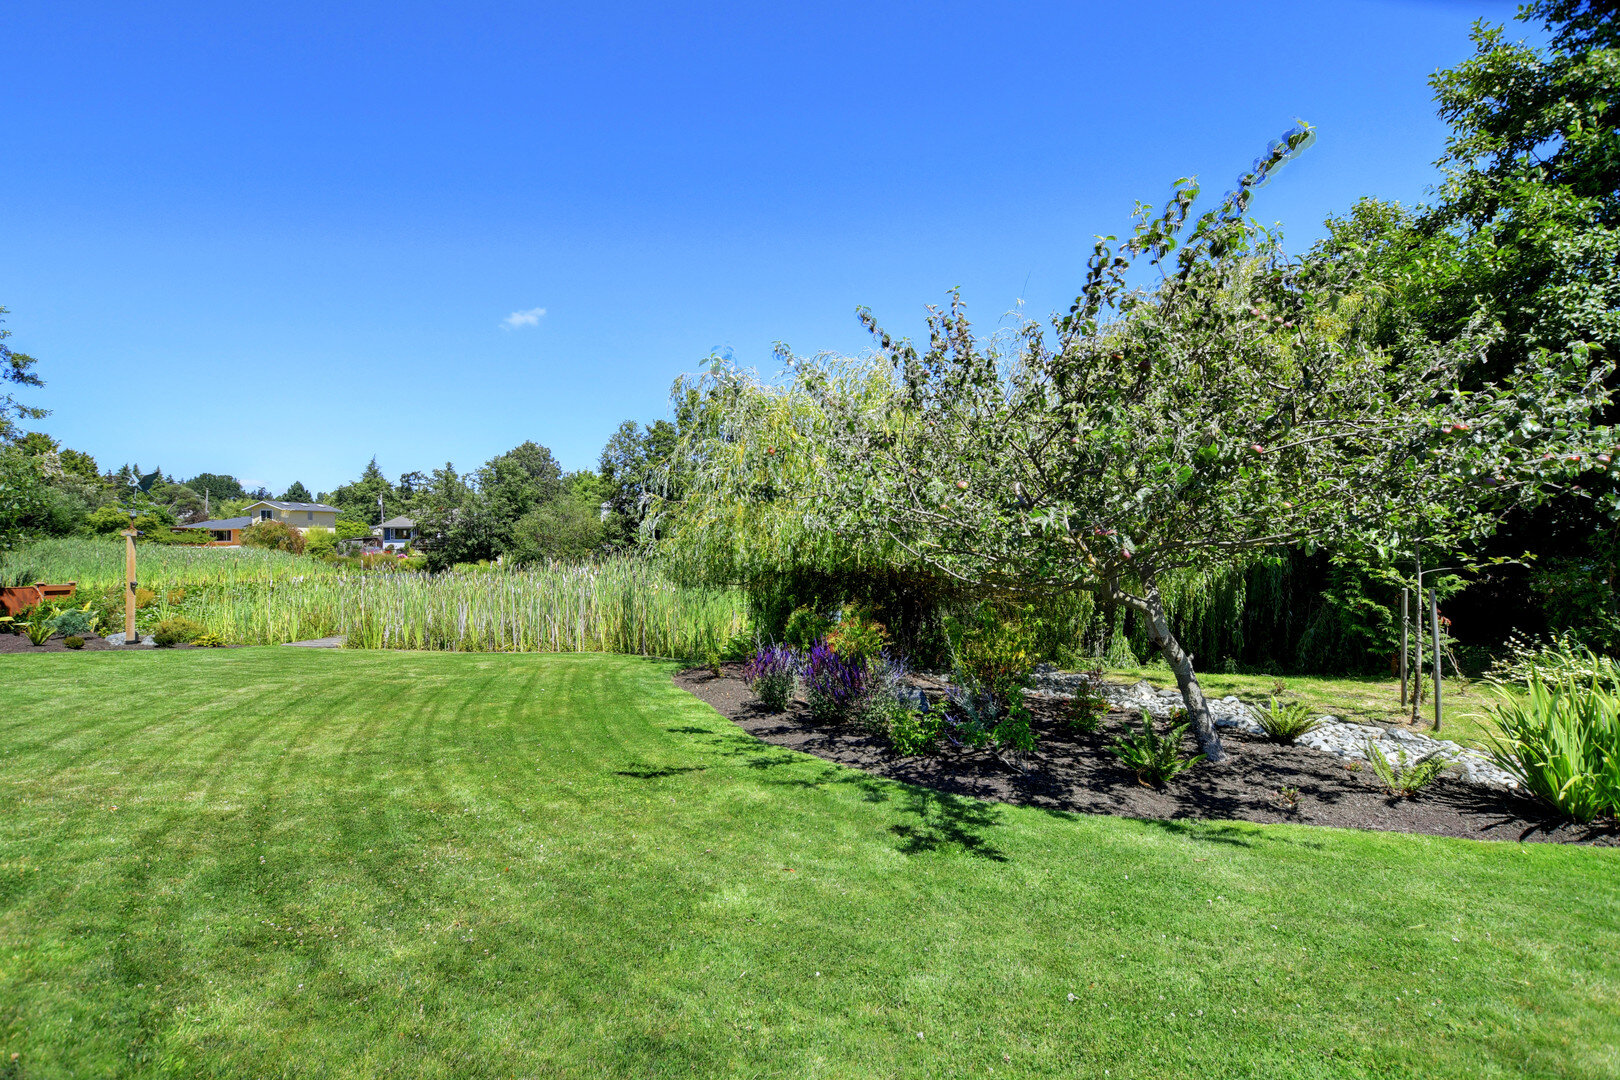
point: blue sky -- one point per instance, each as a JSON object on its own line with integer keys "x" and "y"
{"x": 274, "y": 240}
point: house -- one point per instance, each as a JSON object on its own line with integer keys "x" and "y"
{"x": 227, "y": 532}
{"x": 224, "y": 532}
{"x": 301, "y": 516}
{"x": 396, "y": 532}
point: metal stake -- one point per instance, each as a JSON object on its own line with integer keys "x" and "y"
{"x": 1434, "y": 621}
{"x": 1406, "y": 643}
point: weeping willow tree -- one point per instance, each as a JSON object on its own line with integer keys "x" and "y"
{"x": 737, "y": 505}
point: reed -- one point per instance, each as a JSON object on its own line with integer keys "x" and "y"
{"x": 249, "y": 597}
{"x": 97, "y": 562}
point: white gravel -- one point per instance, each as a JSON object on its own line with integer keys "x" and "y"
{"x": 1331, "y": 735}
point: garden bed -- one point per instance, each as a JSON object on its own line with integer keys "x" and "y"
{"x": 18, "y": 643}
{"x": 1074, "y": 772}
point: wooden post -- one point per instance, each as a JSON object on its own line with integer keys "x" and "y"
{"x": 130, "y": 637}
{"x": 1406, "y": 639}
{"x": 1434, "y": 622}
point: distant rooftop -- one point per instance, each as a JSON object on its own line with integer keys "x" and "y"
{"x": 222, "y": 524}
{"x": 294, "y": 506}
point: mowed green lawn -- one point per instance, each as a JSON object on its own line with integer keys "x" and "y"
{"x": 277, "y": 862}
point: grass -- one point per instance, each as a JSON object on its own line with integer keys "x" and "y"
{"x": 279, "y": 863}
{"x": 1359, "y": 699}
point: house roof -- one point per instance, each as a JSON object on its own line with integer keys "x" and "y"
{"x": 222, "y": 524}
{"x": 292, "y": 505}
{"x": 400, "y": 522}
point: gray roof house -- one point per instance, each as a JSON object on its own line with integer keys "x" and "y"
{"x": 222, "y": 532}
{"x": 396, "y": 532}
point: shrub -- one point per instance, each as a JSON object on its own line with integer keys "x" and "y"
{"x": 805, "y": 627}
{"x": 832, "y": 684}
{"x": 773, "y": 674}
{"x": 994, "y": 661}
{"x": 74, "y": 622}
{"x": 174, "y": 537}
{"x": 1153, "y": 758}
{"x": 1286, "y": 723}
{"x": 1554, "y": 661}
{"x": 1562, "y": 742}
{"x": 1087, "y": 708}
{"x": 176, "y": 630}
{"x": 858, "y": 636}
{"x": 738, "y": 647}
{"x": 883, "y": 691}
{"x": 1402, "y": 777}
{"x": 274, "y": 535}
{"x": 1014, "y": 734}
{"x": 913, "y": 731}
{"x": 208, "y": 641}
{"x": 319, "y": 541}
{"x": 73, "y": 641}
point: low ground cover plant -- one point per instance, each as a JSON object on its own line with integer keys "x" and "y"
{"x": 76, "y": 622}
{"x": 1405, "y": 776}
{"x": 40, "y": 625}
{"x": 176, "y": 630}
{"x": 1288, "y": 721}
{"x": 1154, "y": 758}
{"x": 1561, "y": 740}
{"x": 773, "y": 674}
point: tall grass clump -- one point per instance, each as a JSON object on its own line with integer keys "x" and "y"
{"x": 620, "y": 605}
{"x": 1561, "y": 740}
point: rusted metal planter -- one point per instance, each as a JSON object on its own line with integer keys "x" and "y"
{"x": 15, "y": 601}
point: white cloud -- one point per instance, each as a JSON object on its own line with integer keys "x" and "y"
{"x": 520, "y": 319}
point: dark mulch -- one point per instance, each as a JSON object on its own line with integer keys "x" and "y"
{"x": 1074, "y": 772}
{"x": 17, "y": 643}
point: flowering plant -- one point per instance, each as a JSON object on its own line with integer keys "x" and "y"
{"x": 773, "y": 674}
{"x": 832, "y": 684}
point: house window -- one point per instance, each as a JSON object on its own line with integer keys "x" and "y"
{"x": 220, "y": 534}
{"x": 264, "y": 515}
{"x": 309, "y": 515}
{"x": 402, "y": 534}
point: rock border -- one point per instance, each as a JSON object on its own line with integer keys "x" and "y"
{"x": 1340, "y": 738}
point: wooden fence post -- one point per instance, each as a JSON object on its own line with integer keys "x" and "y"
{"x": 130, "y": 637}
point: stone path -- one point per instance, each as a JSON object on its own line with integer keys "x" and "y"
{"x": 334, "y": 642}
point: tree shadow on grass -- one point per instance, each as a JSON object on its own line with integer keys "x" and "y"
{"x": 947, "y": 822}
{"x": 1209, "y": 832}
{"x": 655, "y": 772}
{"x": 943, "y": 821}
